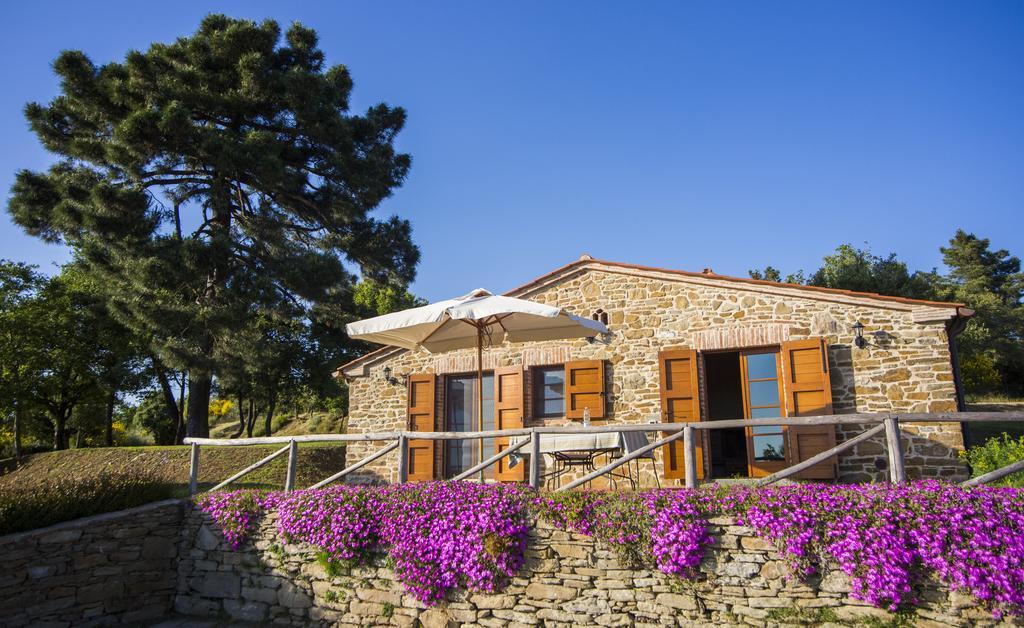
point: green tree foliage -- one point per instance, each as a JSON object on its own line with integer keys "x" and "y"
{"x": 770, "y": 273}
{"x": 382, "y": 298}
{"x": 850, "y": 268}
{"x": 992, "y": 284}
{"x": 150, "y": 415}
{"x": 193, "y": 168}
{"x": 18, "y": 359}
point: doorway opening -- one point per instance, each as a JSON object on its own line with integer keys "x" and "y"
{"x": 724, "y": 387}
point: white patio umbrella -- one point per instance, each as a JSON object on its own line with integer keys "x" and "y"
{"x": 466, "y": 321}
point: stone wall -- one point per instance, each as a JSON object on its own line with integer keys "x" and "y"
{"x": 117, "y": 568}
{"x": 569, "y": 580}
{"x": 906, "y": 366}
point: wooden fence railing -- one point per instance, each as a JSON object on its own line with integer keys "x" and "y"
{"x": 889, "y": 423}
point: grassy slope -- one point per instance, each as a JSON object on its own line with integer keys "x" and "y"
{"x": 316, "y": 461}
{"x": 980, "y": 432}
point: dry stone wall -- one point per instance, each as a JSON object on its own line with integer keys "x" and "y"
{"x": 906, "y": 366}
{"x": 568, "y": 580}
{"x": 117, "y": 568}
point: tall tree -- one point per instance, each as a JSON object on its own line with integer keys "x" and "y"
{"x": 193, "y": 165}
{"x": 990, "y": 282}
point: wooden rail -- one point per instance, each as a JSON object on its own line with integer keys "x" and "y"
{"x": 877, "y": 423}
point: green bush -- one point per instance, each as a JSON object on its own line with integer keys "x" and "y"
{"x": 995, "y": 453}
{"x": 54, "y": 501}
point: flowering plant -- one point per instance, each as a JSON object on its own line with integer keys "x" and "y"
{"x": 441, "y": 535}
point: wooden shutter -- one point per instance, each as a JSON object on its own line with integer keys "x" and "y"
{"x": 808, "y": 392}
{"x": 584, "y": 388}
{"x": 421, "y": 418}
{"x": 680, "y": 403}
{"x": 508, "y": 414}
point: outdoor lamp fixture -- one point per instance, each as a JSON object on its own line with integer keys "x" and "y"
{"x": 394, "y": 381}
{"x": 858, "y": 338}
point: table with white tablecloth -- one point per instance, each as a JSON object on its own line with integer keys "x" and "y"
{"x": 582, "y": 449}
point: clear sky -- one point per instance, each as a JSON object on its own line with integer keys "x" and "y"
{"x": 678, "y": 134}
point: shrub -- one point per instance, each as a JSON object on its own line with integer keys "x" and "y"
{"x": 996, "y": 453}
{"x": 68, "y": 498}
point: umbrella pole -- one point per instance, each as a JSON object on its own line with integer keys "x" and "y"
{"x": 480, "y": 393}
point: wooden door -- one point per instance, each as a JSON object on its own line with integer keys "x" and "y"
{"x": 680, "y": 403}
{"x": 422, "y": 414}
{"x": 584, "y": 388}
{"x": 762, "y": 399}
{"x": 509, "y": 403}
{"x": 808, "y": 392}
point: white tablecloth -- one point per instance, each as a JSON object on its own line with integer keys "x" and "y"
{"x": 606, "y": 441}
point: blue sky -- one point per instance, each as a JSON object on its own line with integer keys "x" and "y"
{"x": 686, "y": 135}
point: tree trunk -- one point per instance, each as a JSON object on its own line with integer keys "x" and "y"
{"x": 251, "y": 423}
{"x": 271, "y": 404}
{"x": 241, "y": 418}
{"x": 179, "y": 436}
{"x": 17, "y": 430}
{"x": 199, "y": 386}
{"x": 111, "y": 400}
{"x": 171, "y": 410}
{"x": 60, "y": 432}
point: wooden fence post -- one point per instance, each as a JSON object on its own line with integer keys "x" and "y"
{"x": 535, "y": 460}
{"x": 293, "y": 460}
{"x": 193, "y": 470}
{"x": 403, "y": 458}
{"x": 690, "y": 456}
{"x": 897, "y": 470}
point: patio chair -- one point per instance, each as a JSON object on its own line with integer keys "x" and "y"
{"x": 631, "y": 441}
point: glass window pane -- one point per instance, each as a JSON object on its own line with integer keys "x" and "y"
{"x": 769, "y": 447}
{"x": 764, "y": 393}
{"x": 461, "y": 416}
{"x": 765, "y": 413}
{"x": 554, "y": 406}
{"x": 550, "y": 391}
{"x": 761, "y": 366}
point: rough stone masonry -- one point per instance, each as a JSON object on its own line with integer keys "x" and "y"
{"x": 116, "y": 568}
{"x": 568, "y": 580}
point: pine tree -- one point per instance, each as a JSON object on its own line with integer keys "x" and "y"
{"x": 192, "y": 166}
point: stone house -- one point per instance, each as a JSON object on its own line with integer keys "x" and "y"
{"x": 684, "y": 346}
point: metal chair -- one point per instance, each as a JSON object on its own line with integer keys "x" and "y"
{"x": 630, "y": 442}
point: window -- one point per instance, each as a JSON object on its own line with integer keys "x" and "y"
{"x": 761, "y": 376}
{"x": 549, "y": 391}
{"x": 600, "y": 315}
{"x": 461, "y": 410}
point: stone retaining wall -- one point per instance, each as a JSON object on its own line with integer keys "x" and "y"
{"x": 569, "y": 580}
{"x": 116, "y": 568}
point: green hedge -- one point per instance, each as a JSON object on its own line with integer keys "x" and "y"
{"x": 995, "y": 453}
{"x": 69, "y": 498}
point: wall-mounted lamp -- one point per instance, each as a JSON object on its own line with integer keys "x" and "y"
{"x": 858, "y": 338}
{"x": 394, "y": 381}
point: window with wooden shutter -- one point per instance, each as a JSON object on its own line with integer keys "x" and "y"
{"x": 809, "y": 393}
{"x": 508, "y": 414}
{"x": 421, "y": 418}
{"x": 584, "y": 388}
{"x": 680, "y": 403}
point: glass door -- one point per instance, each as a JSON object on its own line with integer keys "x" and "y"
{"x": 762, "y": 399}
{"x": 460, "y": 408}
